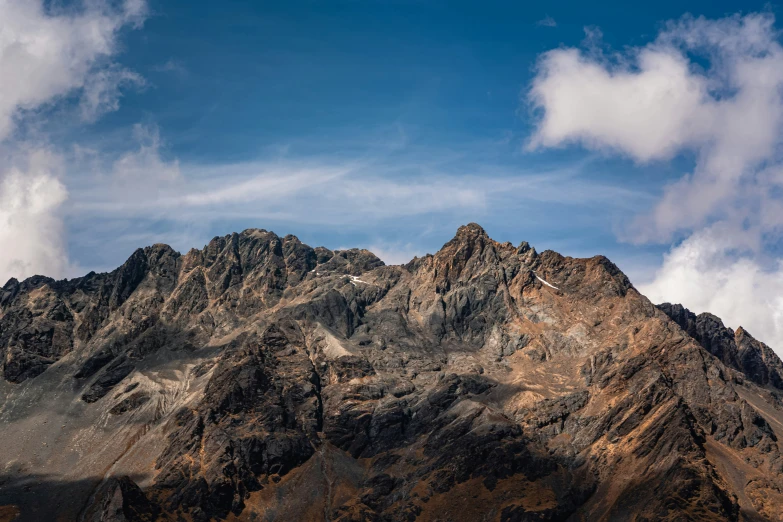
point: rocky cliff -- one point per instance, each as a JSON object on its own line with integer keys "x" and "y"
{"x": 262, "y": 379}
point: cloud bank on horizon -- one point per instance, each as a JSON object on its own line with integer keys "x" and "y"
{"x": 46, "y": 56}
{"x": 653, "y": 102}
{"x": 707, "y": 88}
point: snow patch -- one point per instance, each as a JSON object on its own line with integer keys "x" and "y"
{"x": 355, "y": 279}
{"x": 546, "y": 283}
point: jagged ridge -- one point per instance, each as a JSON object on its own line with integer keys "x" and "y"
{"x": 264, "y": 379}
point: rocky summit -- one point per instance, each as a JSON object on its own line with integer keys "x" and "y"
{"x": 262, "y": 379}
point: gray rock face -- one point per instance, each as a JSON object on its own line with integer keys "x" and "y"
{"x": 262, "y": 379}
{"x": 737, "y": 350}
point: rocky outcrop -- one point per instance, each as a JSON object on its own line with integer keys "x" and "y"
{"x": 261, "y": 379}
{"x": 258, "y": 418}
{"x": 737, "y": 350}
{"x": 120, "y": 500}
{"x": 757, "y": 360}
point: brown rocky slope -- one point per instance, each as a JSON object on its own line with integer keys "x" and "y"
{"x": 261, "y": 379}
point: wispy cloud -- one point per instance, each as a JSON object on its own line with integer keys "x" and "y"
{"x": 102, "y": 91}
{"x": 547, "y": 21}
{"x": 171, "y": 66}
{"x": 368, "y": 198}
{"x": 326, "y": 190}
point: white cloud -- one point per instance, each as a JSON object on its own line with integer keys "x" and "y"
{"x": 650, "y": 113}
{"x": 653, "y": 102}
{"x": 48, "y": 53}
{"x": 547, "y": 21}
{"x": 711, "y": 87}
{"x": 103, "y": 89}
{"x": 731, "y": 283}
{"x": 31, "y": 228}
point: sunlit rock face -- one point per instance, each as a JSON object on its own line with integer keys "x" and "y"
{"x": 262, "y": 379}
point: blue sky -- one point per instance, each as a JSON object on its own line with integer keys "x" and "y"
{"x": 386, "y": 125}
{"x": 394, "y": 81}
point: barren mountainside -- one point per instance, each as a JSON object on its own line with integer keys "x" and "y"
{"x": 262, "y": 379}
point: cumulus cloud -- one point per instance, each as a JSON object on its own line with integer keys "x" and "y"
{"x": 713, "y": 88}
{"x": 31, "y": 228}
{"x": 653, "y": 102}
{"x": 732, "y": 282}
{"x": 48, "y": 53}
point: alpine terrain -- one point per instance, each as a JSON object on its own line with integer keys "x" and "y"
{"x": 262, "y": 379}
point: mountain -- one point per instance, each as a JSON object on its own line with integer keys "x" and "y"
{"x": 262, "y": 379}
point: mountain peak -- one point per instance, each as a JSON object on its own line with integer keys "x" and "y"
{"x": 737, "y": 349}
{"x": 481, "y": 370}
{"x": 471, "y": 231}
